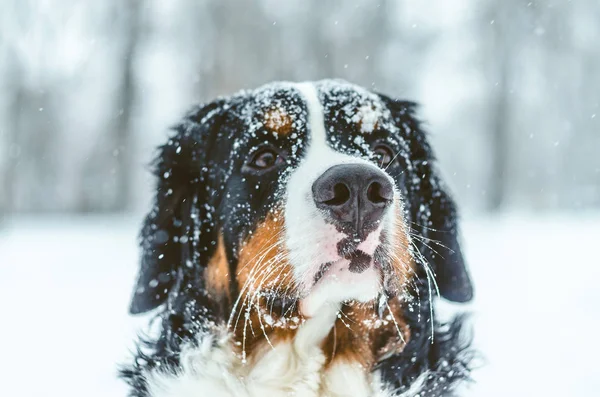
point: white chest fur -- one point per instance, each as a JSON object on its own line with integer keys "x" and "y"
{"x": 292, "y": 368}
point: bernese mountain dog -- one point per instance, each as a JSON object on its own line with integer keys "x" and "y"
{"x": 300, "y": 238}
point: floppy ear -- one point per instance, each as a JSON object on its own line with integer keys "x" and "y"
{"x": 179, "y": 225}
{"x": 437, "y": 221}
{"x": 432, "y": 210}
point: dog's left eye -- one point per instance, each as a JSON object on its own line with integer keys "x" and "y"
{"x": 383, "y": 155}
{"x": 264, "y": 159}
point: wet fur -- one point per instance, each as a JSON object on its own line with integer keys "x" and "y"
{"x": 189, "y": 200}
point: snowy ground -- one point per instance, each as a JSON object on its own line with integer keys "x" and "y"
{"x": 65, "y": 286}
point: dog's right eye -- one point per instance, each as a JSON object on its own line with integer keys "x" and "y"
{"x": 263, "y": 160}
{"x": 383, "y": 155}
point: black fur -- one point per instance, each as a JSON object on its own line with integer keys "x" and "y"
{"x": 183, "y": 186}
{"x": 201, "y": 194}
{"x": 440, "y": 354}
{"x": 432, "y": 211}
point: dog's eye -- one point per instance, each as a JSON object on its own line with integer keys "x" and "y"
{"x": 383, "y": 155}
{"x": 264, "y": 159}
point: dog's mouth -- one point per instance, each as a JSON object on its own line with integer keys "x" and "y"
{"x": 355, "y": 276}
{"x": 356, "y": 261}
{"x": 356, "y": 255}
{"x": 358, "y": 273}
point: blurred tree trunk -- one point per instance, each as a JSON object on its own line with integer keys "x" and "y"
{"x": 107, "y": 176}
{"x": 125, "y": 107}
{"x": 500, "y": 138}
{"x": 12, "y": 149}
{"x": 29, "y": 169}
{"x": 499, "y": 64}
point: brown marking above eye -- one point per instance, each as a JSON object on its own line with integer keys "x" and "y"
{"x": 277, "y": 120}
{"x": 366, "y": 118}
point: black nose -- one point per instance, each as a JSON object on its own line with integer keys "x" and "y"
{"x": 354, "y": 196}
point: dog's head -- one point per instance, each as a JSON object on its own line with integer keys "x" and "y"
{"x": 301, "y": 193}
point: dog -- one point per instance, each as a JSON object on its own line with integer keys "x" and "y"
{"x": 299, "y": 238}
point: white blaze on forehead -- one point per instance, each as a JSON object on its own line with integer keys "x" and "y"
{"x": 310, "y": 240}
{"x": 320, "y": 156}
{"x": 316, "y": 120}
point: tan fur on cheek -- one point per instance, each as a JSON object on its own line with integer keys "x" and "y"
{"x": 403, "y": 263}
{"x": 217, "y": 273}
{"x": 264, "y": 273}
{"x": 263, "y": 258}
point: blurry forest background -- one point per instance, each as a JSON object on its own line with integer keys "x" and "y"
{"x": 510, "y": 89}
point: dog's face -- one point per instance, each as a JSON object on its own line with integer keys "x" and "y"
{"x": 298, "y": 195}
{"x": 345, "y": 231}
